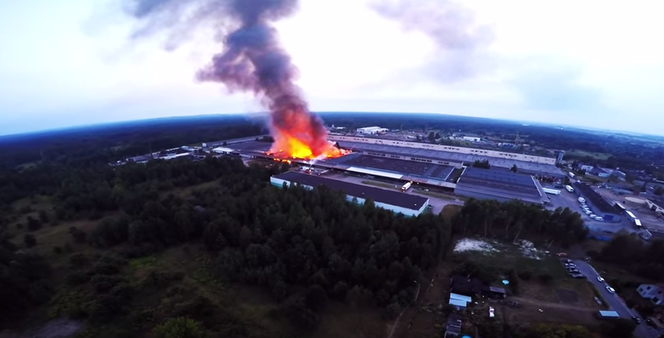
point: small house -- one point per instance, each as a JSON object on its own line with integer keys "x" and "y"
{"x": 651, "y": 292}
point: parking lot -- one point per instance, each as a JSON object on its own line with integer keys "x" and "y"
{"x": 570, "y": 200}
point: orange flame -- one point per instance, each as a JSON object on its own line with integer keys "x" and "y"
{"x": 290, "y": 147}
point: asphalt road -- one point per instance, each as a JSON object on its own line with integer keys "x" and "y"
{"x": 614, "y": 302}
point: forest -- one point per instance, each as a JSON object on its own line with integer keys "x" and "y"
{"x": 644, "y": 259}
{"x": 280, "y": 239}
{"x": 305, "y": 249}
{"x": 515, "y": 220}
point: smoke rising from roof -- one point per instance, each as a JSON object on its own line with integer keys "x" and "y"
{"x": 251, "y": 59}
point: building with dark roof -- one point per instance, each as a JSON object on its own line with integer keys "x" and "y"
{"x": 399, "y": 202}
{"x": 501, "y": 185}
{"x": 453, "y": 325}
{"x": 597, "y": 204}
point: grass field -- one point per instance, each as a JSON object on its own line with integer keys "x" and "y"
{"x": 523, "y": 258}
{"x": 582, "y": 153}
{"x": 507, "y": 256}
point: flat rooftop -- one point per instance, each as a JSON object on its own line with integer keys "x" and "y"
{"x": 531, "y": 167}
{"x": 501, "y": 183}
{"x": 395, "y": 198}
{"x": 404, "y": 167}
{"x": 596, "y": 199}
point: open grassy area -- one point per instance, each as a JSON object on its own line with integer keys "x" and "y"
{"x": 542, "y": 277}
{"x": 507, "y": 256}
{"x": 582, "y": 153}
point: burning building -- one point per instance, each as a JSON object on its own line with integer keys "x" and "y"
{"x": 251, "y": 60}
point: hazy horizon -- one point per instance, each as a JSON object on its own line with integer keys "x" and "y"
{"x": 259, "y": 116}
{"x": 73, "y": 64}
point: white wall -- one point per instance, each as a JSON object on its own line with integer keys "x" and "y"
{"x": 446, "y": 148}
{"x": 396, "y": 209}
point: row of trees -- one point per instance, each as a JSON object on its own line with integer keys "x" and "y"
{"x": 632, "y": 254}
{"x": 514, "y": 220}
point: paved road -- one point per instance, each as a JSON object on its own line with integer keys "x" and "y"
{"x": 614, "y": 301}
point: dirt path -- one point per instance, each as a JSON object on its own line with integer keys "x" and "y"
{"x": 544, "y": 305}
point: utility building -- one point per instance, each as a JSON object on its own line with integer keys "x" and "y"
{"x": 371, "y": 130}
{"x": 398, "y": 202}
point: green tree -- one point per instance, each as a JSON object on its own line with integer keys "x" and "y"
{"x": 514, "y": 169}
{"x": 179, "y": 327}
{"x": 432, "y": 136}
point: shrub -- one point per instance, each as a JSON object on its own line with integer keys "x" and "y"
{"x": 29, "y": 240}
{"x": 78, "y": 260}
{"x": 179, "y": 327}
{"x": 525, "y": 275}
{"x": 545, "y": 278}
{"x": 57, "y": 249}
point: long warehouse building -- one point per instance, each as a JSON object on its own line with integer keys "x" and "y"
{"x": 501, "y": 185}
{"x": 398, "y": 202}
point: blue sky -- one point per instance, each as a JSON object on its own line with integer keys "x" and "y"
{"x": 586, "y": 63}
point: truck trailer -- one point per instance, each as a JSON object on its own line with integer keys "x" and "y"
{"x": 551, "y": 191}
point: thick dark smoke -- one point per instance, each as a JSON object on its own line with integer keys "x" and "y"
{"x": 461, "y": 42}
{"x": 251, "y": 60}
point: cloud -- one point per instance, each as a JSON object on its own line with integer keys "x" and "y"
{"x": 460, "y": 42}
{"x": 552, "y": 85}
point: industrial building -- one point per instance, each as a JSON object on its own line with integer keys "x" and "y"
{"x": 501, "y": 185}
{"x": 398, "y": 202}
{"x": 420, "y": 172}
{"x": 597, "y": 204}
{"x": 372, "y": 130}
{"x": 530, "y": 164}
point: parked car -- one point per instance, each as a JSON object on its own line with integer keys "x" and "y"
{"x": 610, "y": 289}
{"x": 636, "y": 319}
{"x": 599, "y": 219}
{"x": 578, "y": 275}
{"x": 600, "y": 279}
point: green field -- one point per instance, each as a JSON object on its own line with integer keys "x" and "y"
{"x": 582, "y": 153}
{"x": 510, "y": 256}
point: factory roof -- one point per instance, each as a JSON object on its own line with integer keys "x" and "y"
{"x": 395, "y": 198}
{"x": 530, "y": 167}
{"x": 501, "y": 183}
{"x": 596, "y": 199}
{"x": 402, "y": 167}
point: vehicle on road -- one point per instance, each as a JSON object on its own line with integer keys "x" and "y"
{"x": 610, "y": 289}
{"x": 578, "y": 275}
{"x": 636, "y": 319}
{"x": 600, "y": 279}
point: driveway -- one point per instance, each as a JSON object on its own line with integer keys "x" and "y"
{"x": 614, "y": 302}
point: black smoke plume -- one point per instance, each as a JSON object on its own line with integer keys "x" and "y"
{"x": 252, "y": 59}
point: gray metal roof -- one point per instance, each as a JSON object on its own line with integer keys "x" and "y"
{"x": 390, "y": 197}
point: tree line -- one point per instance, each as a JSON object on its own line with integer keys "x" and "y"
{"x": 645, "y": 259}
{"x": 515, "y": 220}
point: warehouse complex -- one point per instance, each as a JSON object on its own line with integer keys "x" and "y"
{"x": 501, "y": 185}
{"x": 597, "y": 203}
{"x": 530, "y": 164}
{"x": 409, "y": 205}
{"x": 409, "y": 164}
